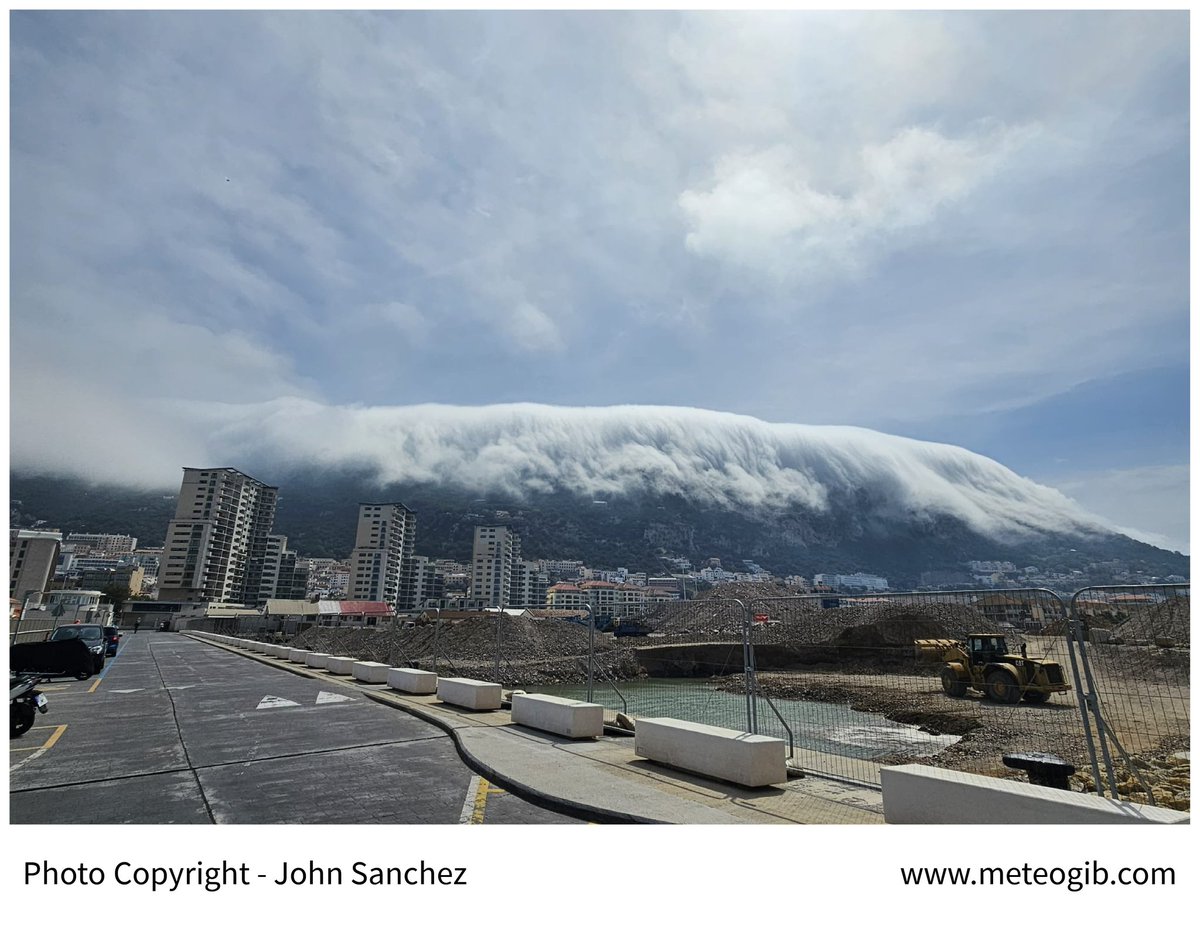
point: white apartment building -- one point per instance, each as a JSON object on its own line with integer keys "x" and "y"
{"x": 428, "y": 583}
{"x": 32, "y": 556}
{"x": 100, "y": 545}
{"x": 529, "y": 585}
{"x": 216, "y": 545}
{"x": 283, "y": 578}
{"x": 564, "y": 596}
{"x": 858, "y": 580}
{"x": 380, "y": 565}
{"x": 495, "y": 551}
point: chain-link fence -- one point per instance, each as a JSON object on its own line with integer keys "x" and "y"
{"x": 673, "y": 660}
{"x": 959, "y": 679}
{"x": 1134, "y": 648}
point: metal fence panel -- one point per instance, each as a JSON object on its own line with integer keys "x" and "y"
{"x": 842, "y": 679}
{"x": 673, "y": 660}
{"x": 1134, "y": 645}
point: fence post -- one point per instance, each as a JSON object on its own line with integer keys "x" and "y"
{"x": 1074, "y": 641}
{"x": 499, "y": 614}
{"x": 748, "y": 669}
{"x": 591, "y": 651}
{"x": 437, "y": 628}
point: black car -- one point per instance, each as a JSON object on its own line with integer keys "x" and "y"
{"x": 92, "y": 635}
{"x": 112, "y": 640}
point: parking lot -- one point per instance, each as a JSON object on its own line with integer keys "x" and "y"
{"x": 177, "y": 731}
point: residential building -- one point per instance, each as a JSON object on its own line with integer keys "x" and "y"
{"x": 495, "y": 552}
{"x": 126, "y": 576}
{"x": 427, "y": 583}
{"x": 564, "y": 596}
{"x": 529, "y": 585}
{"x": 100, "y": 545}
{"x": 380, "y": 568}
{"x": 216, "y": 546}
{"x": 858, "y": 580}
{"x": 283, "y": 576}
{"x": 32, "y": 556}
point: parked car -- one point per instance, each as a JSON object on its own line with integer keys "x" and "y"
{"x": 70, "y": 657}
{"x": 112, "y": 640}
{"x": 92, "y": 635}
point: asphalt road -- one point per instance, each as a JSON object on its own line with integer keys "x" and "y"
{"x": 178, "y": 731}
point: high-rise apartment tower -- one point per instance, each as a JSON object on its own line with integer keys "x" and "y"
{"x": 381, "y": 564}
{"x": 217, "y": 544}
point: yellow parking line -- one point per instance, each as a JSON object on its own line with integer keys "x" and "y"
{"x": 92, "y": 689}
{"x": 48, "y": 744}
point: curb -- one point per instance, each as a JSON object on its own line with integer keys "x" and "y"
{"x": 539, "y": 798}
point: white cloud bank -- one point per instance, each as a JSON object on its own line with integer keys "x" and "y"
{"x": 710, "y": 457}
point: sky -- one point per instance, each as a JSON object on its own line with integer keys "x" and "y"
{"x": 238, "y": 234}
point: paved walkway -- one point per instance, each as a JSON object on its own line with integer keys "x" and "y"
{"x": 602, "y": 780}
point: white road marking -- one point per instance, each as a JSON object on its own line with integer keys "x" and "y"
{"x": 269, "y": 703}
{"x": 468, "y": 807}
{"x": 326, "y": 697}
{"x": 132, "y": 690}
{"x": 179, "y": 687}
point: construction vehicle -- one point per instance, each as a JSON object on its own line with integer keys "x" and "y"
{"x": 984, "y": 663}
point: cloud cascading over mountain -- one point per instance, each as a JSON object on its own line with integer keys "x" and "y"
{"x": 710, "y": 458}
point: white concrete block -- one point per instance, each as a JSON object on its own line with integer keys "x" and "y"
{"x": 369, "y": 672}
{"x": 279, "y": 651}
{"x": 472, "y": 694}
{"x": 726, "y": 754}
{"x": 317, "y": 659}
{"x": 572, "y": 718}
{"x": 259, "y": 647}
{"x": 298, "y": 655}
{"x": 915, "y": 793}
{"x": 340, "y": 664}
{"x": 412, "y": 680}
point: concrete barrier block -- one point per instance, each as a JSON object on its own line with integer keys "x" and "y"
{"x": 298, "y": 655}
{"x": 370, "y": 672}
{"x": 280, "y": 651}
{"x": 572, "y": 718}
{"x": 915, "y": 793}
{"x": 468, "y": 693}
{"x": 340, "y": 664}
{"x": 412, "y": 680}
{"x": 317, "y": 659}
{"x": 725, "y": 754}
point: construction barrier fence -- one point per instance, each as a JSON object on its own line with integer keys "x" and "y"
{"x": 971, "y": 680}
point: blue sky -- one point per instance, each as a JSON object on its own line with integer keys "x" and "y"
{"x": 967, "y": 228}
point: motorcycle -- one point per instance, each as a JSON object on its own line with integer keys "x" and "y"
{"x": 25, "y": 701}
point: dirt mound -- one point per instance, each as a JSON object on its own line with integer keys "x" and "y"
{"x": 1170, "y": 619}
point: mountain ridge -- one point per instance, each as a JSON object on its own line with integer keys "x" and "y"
{"x": 318, "y": 511}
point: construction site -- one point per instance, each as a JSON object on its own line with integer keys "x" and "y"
{"x": 853, "y": 683}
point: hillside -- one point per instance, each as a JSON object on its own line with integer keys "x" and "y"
{"x": 317, "y": 511}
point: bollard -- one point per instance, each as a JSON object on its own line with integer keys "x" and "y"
{"x": 1044, "y": 769}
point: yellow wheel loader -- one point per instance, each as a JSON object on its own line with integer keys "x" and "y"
{"x": 984, "y": 663}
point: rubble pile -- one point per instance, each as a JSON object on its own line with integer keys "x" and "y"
{"x": 1162, "y": 622}
{"x": 532, "y": 651}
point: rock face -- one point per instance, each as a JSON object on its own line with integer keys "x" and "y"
{"x": 1168, "y": 777}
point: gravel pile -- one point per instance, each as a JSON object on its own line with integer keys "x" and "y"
{"x": 1170, "y": 619}
{"x": 532, "y": 651}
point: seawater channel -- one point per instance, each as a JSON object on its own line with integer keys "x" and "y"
{"x": 829, "y": 728}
